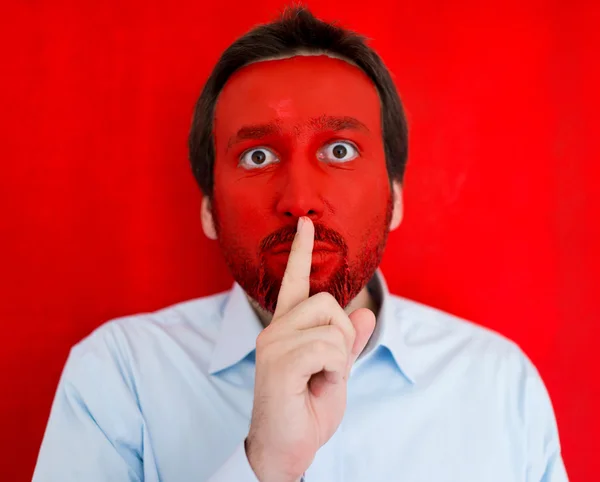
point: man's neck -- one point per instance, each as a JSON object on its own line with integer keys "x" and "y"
{"x": 364, "y": 299}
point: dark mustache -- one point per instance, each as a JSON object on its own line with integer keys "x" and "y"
{"x": 286, "y": 235}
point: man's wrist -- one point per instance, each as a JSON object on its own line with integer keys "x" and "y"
{"x": 265, "y": 472}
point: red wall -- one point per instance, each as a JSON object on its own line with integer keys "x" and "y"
{"x": 100, "y": 214}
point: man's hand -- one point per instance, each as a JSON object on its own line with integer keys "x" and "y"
{"x": 303, "y": 359}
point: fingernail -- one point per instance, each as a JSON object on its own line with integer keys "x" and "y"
{"x": 300, "y": 223}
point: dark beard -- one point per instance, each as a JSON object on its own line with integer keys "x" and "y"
{"x": 345, "y": 283}
{"x": 267, "y": 291}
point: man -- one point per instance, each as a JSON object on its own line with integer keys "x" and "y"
{"x": 309, "y": 368}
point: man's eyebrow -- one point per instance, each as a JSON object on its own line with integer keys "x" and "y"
{"x": 321, "y": 123}
{"x": 254, "y": 132}
{"x": 336, "y": 123}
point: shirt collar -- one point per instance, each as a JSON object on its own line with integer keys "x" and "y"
{"x": 388, "y": 331}
{"x": 240, "y": 326}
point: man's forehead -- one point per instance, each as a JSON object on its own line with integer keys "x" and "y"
{"x": 302, "y": 71}
{"x": 300, "y": 86}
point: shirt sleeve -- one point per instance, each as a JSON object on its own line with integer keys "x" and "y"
{"x": 95, "y": 429}
{"x": 236, "y": 468}
{"x": 544, "y": 459}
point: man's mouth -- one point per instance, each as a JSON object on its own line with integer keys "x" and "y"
{"x": 319, "y": 247}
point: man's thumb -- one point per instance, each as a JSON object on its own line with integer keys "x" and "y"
{"x": 363, "y": 320}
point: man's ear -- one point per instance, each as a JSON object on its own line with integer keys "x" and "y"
{"x": 398, "y": 209}
{"x": 208, "y": 222}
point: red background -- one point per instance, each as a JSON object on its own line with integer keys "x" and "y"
{"x": 100, "y": 213}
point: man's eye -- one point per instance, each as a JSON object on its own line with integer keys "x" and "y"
{"x": 255, "y": 158}
{"x": 339, "y": 151}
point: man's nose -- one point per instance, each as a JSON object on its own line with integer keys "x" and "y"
{"x": 301, "y": 190}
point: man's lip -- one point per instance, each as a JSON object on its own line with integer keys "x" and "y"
{"x": 319, "y": 246}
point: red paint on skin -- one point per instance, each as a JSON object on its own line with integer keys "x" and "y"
{"x": 291, "y": 109}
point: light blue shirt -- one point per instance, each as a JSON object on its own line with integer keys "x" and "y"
{"x": 167, "y": 396}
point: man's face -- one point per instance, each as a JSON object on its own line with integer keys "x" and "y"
{"x": 300, "y": 137}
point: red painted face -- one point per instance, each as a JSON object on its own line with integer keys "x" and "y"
{"x": 300, "y": 137}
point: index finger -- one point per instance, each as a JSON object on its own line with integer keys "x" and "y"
{"x": 295, "y": 286}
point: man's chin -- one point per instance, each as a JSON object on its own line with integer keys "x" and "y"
{"x": 335, "y": 282}
{"x": 321, "y": 284}
{"x": 335, "y": 278}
